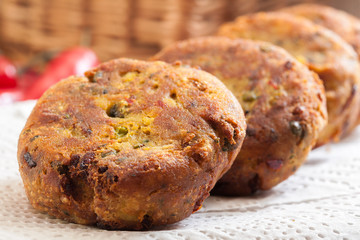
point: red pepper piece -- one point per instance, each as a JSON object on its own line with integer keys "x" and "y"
{"x": 7, "y": 73}
{"x": 275, "y": 164}
{"x": 74, "y": 61}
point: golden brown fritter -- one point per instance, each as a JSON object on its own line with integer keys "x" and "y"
{"x": 340, "y": 22}
{"x": 322, "y": 51}
{"x": 284, "y": 105}
{"x": 132, "y": 145}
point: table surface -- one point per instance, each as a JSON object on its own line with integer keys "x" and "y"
{"x": 320, "y": 201}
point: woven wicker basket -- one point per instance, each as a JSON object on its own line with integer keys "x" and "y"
{"x": 114, "y": 28}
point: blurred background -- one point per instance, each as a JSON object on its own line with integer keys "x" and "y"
{"x": 34, "y": 32}
{"x": 114, "y": 28}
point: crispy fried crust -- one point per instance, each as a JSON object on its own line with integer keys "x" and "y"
{"x": 322, "y": 51}
{"x": 342, "y": 23}
{"x": 132, "y": 145}
{"x": 284, "y": 104}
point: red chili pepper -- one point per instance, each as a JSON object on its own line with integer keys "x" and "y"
{"x": 74, "y": 61}
{"x": 26, "y": 79}
{"x": 7, "y": 73}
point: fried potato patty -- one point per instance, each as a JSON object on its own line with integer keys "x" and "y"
{"x": 284, "y": 105}
{"x": 132, "y": 145}
{"x": 322, "y": 51}
{"x": 340, "y": 22}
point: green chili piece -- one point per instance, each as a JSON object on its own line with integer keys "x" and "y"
{"x": 121, "y": 131}
{"x": 296, "y": 128}
{"x": 249, "y": 96}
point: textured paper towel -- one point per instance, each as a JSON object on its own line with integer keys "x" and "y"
{"x": 321, "y": 201}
